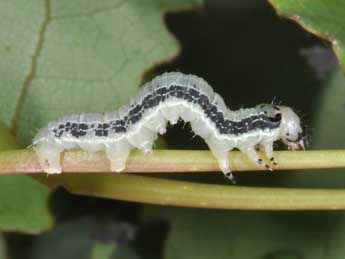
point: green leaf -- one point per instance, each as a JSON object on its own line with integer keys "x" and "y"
{"x": 64, "y": 58}
{"x": 23, "y": 201}
{"x": 323, "y": 18}
{"x": 23, "y": 204}
{"x": 19, "y": 37}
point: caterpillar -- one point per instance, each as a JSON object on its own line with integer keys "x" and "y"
{"x": 167, "y": 98}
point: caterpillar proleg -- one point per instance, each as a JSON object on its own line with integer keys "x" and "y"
{"x": 167, "y": 98}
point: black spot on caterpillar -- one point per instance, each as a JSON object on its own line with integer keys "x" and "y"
{"x": 169, "y": 97}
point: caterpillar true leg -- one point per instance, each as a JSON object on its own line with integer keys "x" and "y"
{"x": 220, "y": 149}
{"x": 268, "y": 149}
{"x": 223, "y": 161}
{"x": 251, "y": 153}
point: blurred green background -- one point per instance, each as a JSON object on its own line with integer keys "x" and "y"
{"x": 245, "y": 51}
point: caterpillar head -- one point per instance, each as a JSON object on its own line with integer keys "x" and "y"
{"x": 290, "y": 130}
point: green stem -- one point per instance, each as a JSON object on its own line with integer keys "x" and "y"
{"x": 170, "y": 161}
{"x": 182, "y": 193}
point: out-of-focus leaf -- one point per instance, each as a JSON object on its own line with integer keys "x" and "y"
{"x": 82, "y": 238}
{"x": 3, "y": 254}
{"x": 327, "y": 130}
{"x": 337, "y": 239}
{"x": 323, "y": 18}
{"x": 102, "y": 251}
{"x": 125, "y": 252}
{"x": 203, "y": 234}
{"x": 23, "y": 201}
{"x": 321, "y": 58}
{"x": 23, "y": 204}
{"x": 111, "y": 251}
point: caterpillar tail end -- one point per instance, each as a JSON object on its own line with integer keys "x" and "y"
{"x": 48, "y": 157}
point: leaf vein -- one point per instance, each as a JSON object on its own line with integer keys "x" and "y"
{"x": 33, "y": 68}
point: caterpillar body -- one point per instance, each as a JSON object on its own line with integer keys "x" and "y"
{"x": 167, "y": 98}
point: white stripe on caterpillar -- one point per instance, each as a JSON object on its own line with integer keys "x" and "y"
{"x": 169, "y": 97}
